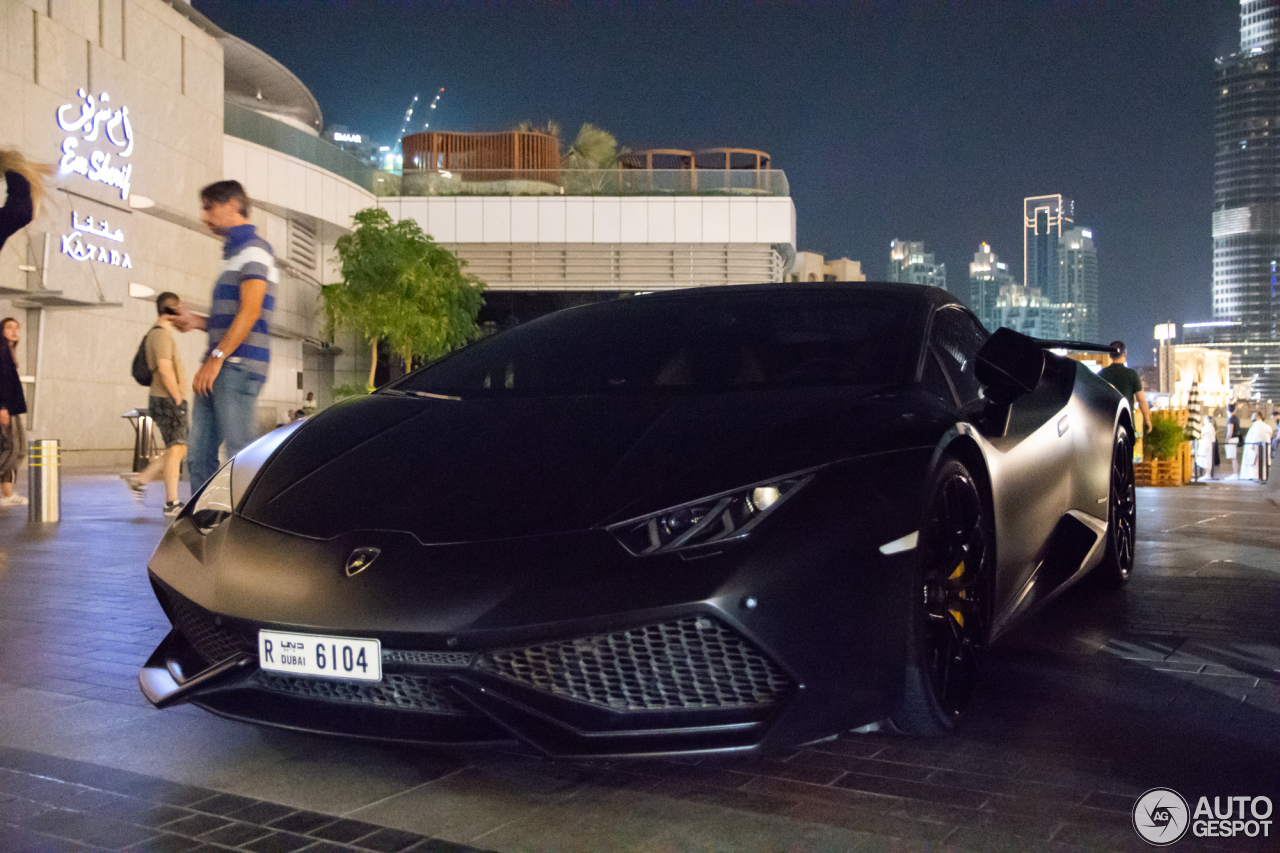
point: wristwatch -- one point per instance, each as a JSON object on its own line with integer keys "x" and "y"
{"x": 217, "y": 353}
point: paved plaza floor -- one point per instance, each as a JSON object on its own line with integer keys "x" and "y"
{"x": 1173, "y": 682}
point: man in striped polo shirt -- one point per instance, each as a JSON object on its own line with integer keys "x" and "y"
{"x": 235, "y": 364}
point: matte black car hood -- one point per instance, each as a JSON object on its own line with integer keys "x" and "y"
{"x": 455, "y": 471}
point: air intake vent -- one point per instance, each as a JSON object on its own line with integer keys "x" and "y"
{"x": 395, "y": 691}
{"x": 691, "y": 663}
{"x": 214, "y": 642}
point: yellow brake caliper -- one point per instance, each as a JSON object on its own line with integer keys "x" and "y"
{"x": 956, "y": 575}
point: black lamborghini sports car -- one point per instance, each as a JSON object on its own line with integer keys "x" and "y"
{"x": 726, "y": 518}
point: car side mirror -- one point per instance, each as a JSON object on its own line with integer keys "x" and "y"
{"x": 1010, "y": 364}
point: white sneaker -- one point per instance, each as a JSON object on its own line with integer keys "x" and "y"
{"x": 14, "y": 499}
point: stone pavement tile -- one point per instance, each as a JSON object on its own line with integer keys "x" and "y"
{"x": 869, "y": 766}
{"x": 437, "y": 845}
{"x": 466, "y": 804}
{"x": 301, "y": 821}
{"x": 389, "y": 841}
{"x": 163, "y": 843}
{"x": 223, "y": 804}
{"x": 16, "y": 810}
{"x": 141, "y": 812}
{"x": 63, "y": 823}
{"x": 915, "y": 790}
{"x": 280, "y": 842}
{"x": 18, "y": 840}
{"x": 344, "y": 831}
{"x": 261, "y": 812}
{"x": 197, "y": 824}
{"x": 234, "y": 834}
{"x": 1015, "y": 786}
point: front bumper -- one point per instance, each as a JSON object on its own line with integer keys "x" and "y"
{"x": 688, "y": 684}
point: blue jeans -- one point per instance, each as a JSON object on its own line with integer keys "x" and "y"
{"x": 228, "y": 414}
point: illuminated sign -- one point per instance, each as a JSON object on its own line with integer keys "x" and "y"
{"x": 76, "y": 247}
{"x": 346, "y": 137}
{"x": 1086, "y": 232}
{"x": 96, "y": 124}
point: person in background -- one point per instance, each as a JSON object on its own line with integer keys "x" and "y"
{"x": 1233, "y": 439}
{"x": 309, "y": 405}
{"x": 1257, "y": 443}
{"x": 229, "y": 380}
{"x": 1275, "y": 434}
{"x": 13, "y": 405}
{"x": 1206, "y": 447}
{"x": 167, "y": 406}
{"x": 1127, "y": 381}
{"x": 24, "y": 190}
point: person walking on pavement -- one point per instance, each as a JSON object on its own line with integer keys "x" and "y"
{"x": 1233, "y": 440}
{"x": 228, "y": 381}
{"x": 13, "y": 405}
{"x": 1127, "y": 381}
{"x": 167, "y": 406}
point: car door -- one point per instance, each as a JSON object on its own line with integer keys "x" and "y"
{"x": 1030, "y": 464}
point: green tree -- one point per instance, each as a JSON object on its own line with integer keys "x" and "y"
{"x": 593, "y": 148}
{"x": 402, "y": 287}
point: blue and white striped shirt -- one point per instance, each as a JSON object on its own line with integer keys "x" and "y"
{"x": 245, "y": 256}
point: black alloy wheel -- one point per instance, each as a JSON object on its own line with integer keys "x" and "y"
{"x": 1122, "y": 514}
{"x": 950, "y": 607}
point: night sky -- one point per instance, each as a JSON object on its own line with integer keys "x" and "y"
{"x": 917, "y": 121}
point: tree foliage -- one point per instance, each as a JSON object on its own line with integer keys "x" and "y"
{"x": 402, "y": 287}
{"x": 593, "y": 148}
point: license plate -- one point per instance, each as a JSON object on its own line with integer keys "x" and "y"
{"x": 328, "y": 657}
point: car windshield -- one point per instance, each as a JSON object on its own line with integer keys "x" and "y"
{"x": 699, "y": 344}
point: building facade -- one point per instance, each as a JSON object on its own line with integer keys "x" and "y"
{"x": 1246, "y": 204}
{"x": 1077, "y": 288}
{"x": 139, "y": 104}
{"x": 911, "y": 264}
{"x": 812, "y": 266}
{"x": 988, "y": 275}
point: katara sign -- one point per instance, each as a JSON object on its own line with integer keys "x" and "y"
{"x": 99, "y": 125}
{"x": 78, "y": 246}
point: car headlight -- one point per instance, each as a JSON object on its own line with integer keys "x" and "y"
{"x": 710, "y": 521}
{"x": 214, "y": 504}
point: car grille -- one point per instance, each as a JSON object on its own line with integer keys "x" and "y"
{"x": 395, "y": 691}
{"x": 448, "y": 660}
{"x": 214, "y": 642}
{"x": 693, "y": 662}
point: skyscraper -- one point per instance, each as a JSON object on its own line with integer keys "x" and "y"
{"x": 1077, "y": 287}
{"x": 1044, "y": 218}
{"x": 987, "y": 275}
{"x": 1246, "y": 197}
{"x": 910, "y": 263}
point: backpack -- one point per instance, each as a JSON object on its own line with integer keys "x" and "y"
{"x": 142, "y": 373}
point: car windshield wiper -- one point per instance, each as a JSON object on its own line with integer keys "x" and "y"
{"x": 427, "y": 394}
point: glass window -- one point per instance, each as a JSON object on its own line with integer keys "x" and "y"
{"x": 957, "y": 337}
{"x": 688, "y": 344}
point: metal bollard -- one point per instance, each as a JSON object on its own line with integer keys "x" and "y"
{"x": 44, "y": 480}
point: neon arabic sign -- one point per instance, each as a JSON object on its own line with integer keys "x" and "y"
{"x": 97, "y": 120}
{"x": 74, "y": 245}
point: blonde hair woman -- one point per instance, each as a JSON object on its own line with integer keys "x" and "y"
{"x": 26, "y": 182}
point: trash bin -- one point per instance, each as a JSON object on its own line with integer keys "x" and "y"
{"x": 44, "y": 480}
{"x": 146, "y": 445}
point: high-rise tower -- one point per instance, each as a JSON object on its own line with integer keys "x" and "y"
{"x": 1077, "y": 288}
{"x": 987, "y": 275}
{"x": 910, "y": 263}
{"x": 1246, "y": 197}
{"x": 1044, "y": 218}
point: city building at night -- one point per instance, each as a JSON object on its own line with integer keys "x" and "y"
{"x": 812, "y": 266}
{"x": 1077, "y": 290}
{"x": 988, "y": 275}
{"x": 911, "y": 264}
{"x": 542, "y": 237}
{"x": 138, "y": 105}
{"x": 1027, "y": 310}
{"x": 1246, "y": 203}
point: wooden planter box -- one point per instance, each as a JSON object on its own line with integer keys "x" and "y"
{"x": 1158, "y": 472}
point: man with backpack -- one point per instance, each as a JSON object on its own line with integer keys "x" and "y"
{"x": 159, "y": 363}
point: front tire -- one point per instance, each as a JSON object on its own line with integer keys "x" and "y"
{"x": 1122, "y": 515}
{"x": 949, "y": 609}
